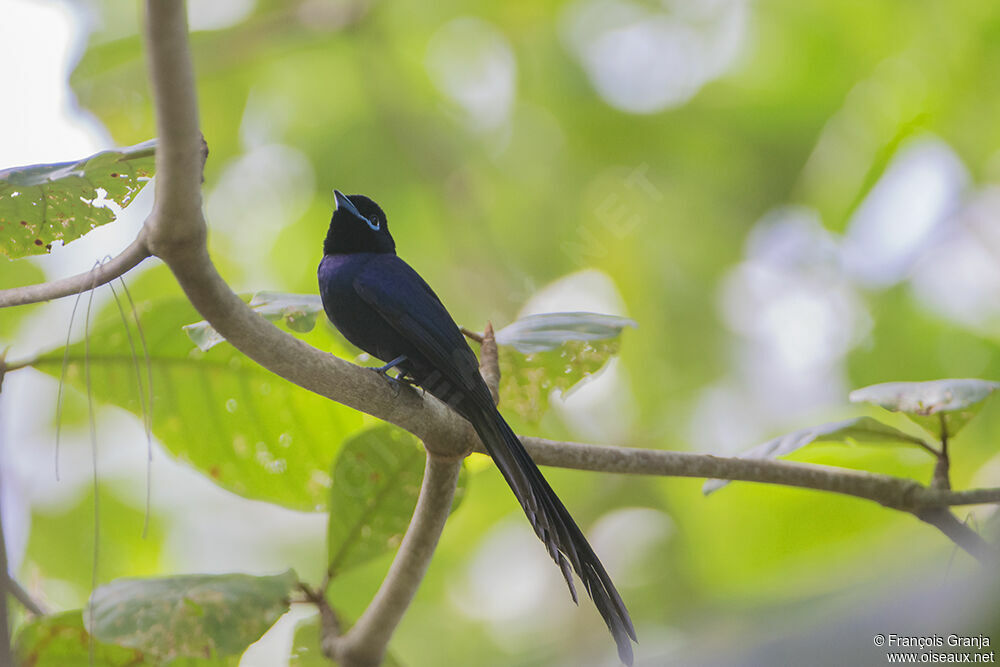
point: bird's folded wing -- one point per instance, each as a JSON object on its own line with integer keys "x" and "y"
{"x": 408, "y": 304}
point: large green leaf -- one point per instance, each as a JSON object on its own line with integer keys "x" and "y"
{"x": 191, "y": 616}
{"x": 376, "y": 483}
{"x": 43, "y": 203}
{"x": 249, "y": 430}
{"x": 859, "y": 429}
{"x": 936, "y": 404}
{"x": 61, "y": 640}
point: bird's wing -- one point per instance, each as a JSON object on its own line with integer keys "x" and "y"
{"x": 408, "y": 304}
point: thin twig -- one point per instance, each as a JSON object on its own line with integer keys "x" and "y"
{"x": 365, "y": 643}
{"x": 328, "y": 622}
{"x": 894, "y": 492}
{"x": 128, "y": 259}
{"x": 489, "y": 362}
{"x": 941, "y": 478}
{"x": 472, "y": 335}
{"x": 961, "y": 534}
{"x": 24, "y": 597}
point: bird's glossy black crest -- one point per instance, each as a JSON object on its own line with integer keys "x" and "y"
{"x": 358, "y": 225}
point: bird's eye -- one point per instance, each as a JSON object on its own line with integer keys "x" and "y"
{"x": 373, "y": 223}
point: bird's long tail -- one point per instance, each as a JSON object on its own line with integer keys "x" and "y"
{"x": 553, "y": 524}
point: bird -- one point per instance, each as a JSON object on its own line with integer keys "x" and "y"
{"x": 382, "y": 306}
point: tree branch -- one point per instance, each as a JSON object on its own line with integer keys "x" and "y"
{"x": 961, "y": 534}
{"x": 489, "y": 362}
{"x": 365, "y": 643}
{"x": 24, "y": 597}
{"x": 894, "y": 492}
{"x": 119, "y": 265}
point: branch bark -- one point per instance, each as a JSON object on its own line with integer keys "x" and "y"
{"x": 364, "y": 645}
{"x": 24, "y": 597}
{"x": 894, "y": 492}
{"x": 117, "y": 266}
{"x": 961, "y": 534}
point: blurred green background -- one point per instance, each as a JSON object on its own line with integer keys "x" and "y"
{"x": 791, "y": 199}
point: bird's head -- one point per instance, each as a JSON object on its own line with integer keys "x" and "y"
{"x": 358, "y": 225}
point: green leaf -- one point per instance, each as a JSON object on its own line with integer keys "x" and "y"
{"x": 41, "y": 204}
{"x": 60, "y": 640}
{"x": 193, "y": 616}
{"x": 859, "y": 429}
{"x": 549, "y": 331}
{"x": 376, "y": 482}
{"x": 306, "y": 645}
{"x": 297, "y": 311}
{"x": 951, "y": 403}
{"x": 540, "y": 354}
{"x": 252, "y": 432}
{"x": 16, "y": 274}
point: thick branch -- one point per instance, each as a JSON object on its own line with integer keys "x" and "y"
{"x": 99, "y": 275}
{"x": 176, "y": 225}
{"x": 364, "y": 644}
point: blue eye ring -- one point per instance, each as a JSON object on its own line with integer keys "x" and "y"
{"x": 373, "y": 223}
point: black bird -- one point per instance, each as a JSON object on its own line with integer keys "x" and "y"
{"x": 385, "y": 308}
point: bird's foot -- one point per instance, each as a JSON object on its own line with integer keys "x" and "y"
{"x": 384, "y": 370}
{"x": 401, "y": 377}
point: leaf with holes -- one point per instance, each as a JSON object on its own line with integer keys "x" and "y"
{"x": 44, "y": 203}
{"x": 252, "y": 432}
{"x": 951, "y": 402}
{"x": 540, "y": 354}
{"x": 859, "y": 429}
{"x": 191, "y": 616}
{"x": 376, "y": 482}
